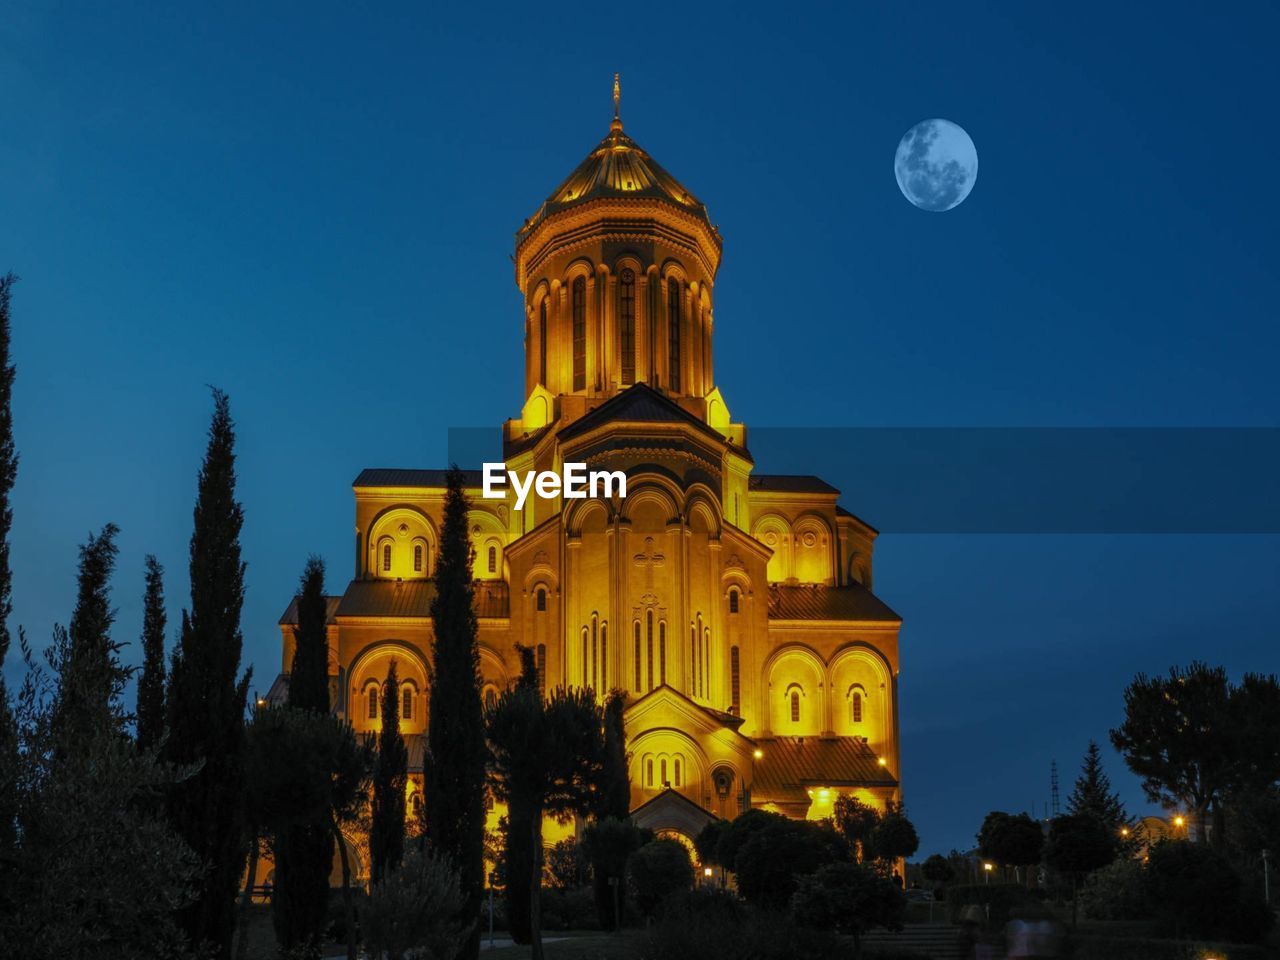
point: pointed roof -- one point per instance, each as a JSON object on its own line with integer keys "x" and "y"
{"x": 639, "y": 402}
{"x": 617, "y": 168}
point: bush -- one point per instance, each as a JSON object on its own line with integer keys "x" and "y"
{"x": 848, "y": 898}
{"x": 659, "y": 869}
{"x": 1196, "y": 893}
{"x": 774, "y": 856}
{"x": 415, "y": 908}
{"x": 997, "y": 900}
{"x": 1116, "y": 892}
{"x": 569, "y": 909}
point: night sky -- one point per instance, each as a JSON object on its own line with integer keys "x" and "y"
{"x": 313, "y": 207}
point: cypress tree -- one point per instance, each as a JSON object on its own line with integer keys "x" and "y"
{"x": 309, "y": 676}
{"x": 8, "y": 474}
{"x": 304, "y": 845}
{"x": 390, "y": 772}
{"x": 522, "y": 808}
{"x": 454, "y": 774}
{"x": 150, "y": 718}
{"x": 90, "y": 676}
{"x": 612, "y": 799}
{"x": 206, "y": 696}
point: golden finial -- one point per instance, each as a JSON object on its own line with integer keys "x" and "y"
{"x": 617, "y": 95}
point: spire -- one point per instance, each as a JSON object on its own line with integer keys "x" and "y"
{"x": 617, "y": 99}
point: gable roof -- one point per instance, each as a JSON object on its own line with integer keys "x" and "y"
{"x": 821, "y": 602}
{"x": 639, "y": 402}
{"x": 789, "y": 483}
{"x": 290, "y": 614}
{"x": 730, "y": 721}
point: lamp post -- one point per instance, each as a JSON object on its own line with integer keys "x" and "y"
{"x": 491, "y": 910}
{"x": 986, "y": 871}
{"x": 617, "y": 907}
{"x": 1266, "y": 878}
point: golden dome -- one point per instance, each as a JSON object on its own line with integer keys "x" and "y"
{"x": 618, "y": 168}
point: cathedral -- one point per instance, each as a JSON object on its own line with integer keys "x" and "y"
{"x": 733, "y": 607}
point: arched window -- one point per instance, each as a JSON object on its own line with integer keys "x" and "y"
{"x": 648, "y": 773}
{"x": 693, "y": 660}
{"x": 677, "y": 766}
{"x": 665, "y": 781}
{"x": 490, "y": 698}
{"x": 649, "y": 644}
{"x": 406, "y": 702}
{"x": 417, "y": 558}
{"x": 855, "y": 706}
{"x": 639, "y": 678}
{"x": 627, "y": 323}
{"x": 662, "y": 652}
{"x": 795, "y": 706}
{"x": 733, "y": 601}
{"x": 735, "y": 682}
{"x": 542, "y": 342}
{"x": 673, "y": 334}
{"x": 373, "y": 702}
{"x": 580, "y": 333}
{"x": 493, "y": 559}
{"x": 586, "y": 665}
{"x": 604, "y": 656}
{"x": 386, "y": 558}
{"x": 542, "y": 600}
{"x": 416, "y": 804}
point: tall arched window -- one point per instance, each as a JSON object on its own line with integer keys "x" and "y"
{"x": 627, "y": 323}
{"x": 648, "y": 773}
{"x": 406, "y": 702}
{"x": 542, "y": 600}
{"x": 693, "y": 660}
{"x": 699, "y": 656}
{"x": 735, "y": 682}
{"x": 639, "y": 679}
{"x": 580, "y": 333}
{"x": 673, "y": 334}
{"x": 386, "y": 558}
{"x": 649, "y": 644}
{"x": 662, "y": 652}
{"x": 542, "y": 342}
{"x": 665, "y": 781}
{"x": 706, "y": 661}
{"x": 855, "y": 706}
{"x": 604, "y": 657}
{"x": 586, "y": 677}
{"x": 595, "y": 653}
{"x": 733, "y": 601}
{"x": 677, "y": 766}
{"x": 490, "y": 698}
{"x": 493, "y": 559}
{"x": 417, "y": 558}
{"x": 373, "y": 702}
{"x": 795, "y": 706}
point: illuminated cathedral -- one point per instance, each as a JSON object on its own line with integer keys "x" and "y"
{"x": 733, "y": 607}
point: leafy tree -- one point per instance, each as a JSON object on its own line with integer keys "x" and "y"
{"x": 1117, "y": 892}
{"x": 739, "y": 830}
{"x": 390, "y": 773}
{"x": 97, "y": 872}
{"x": 1011, "y": 840}
{"x": 150, "y": 719}
{"x": 546, "y": 759}
{"x": 938, "y": 870}
{"x": 414, "y": 910}
{"x": 1078, "y": 845}
{"x": 206, "y": 697}
{"x": 857, "y": 821}
{"x": 309, "y": 673}
{"x": 8, "y": 474}
{"x": 612, "y": 800}
{"x": 454, "y": 775}
{"x": 566, "y": 867}
{"x": 849, "y": 898}
{"x": 609, "y": 844}
{"x": 768, "y": 864}
{"x": 660, "y": 869}
{"x": 894, "y": 837}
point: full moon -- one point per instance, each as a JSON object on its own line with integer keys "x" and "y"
{"x": 936, "y": 165}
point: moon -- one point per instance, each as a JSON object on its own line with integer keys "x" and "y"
{"x": 936, "y": 165}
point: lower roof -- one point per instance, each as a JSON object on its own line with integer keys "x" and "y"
{"x": 405, "y": 598}
{"x": 790, "y": 766}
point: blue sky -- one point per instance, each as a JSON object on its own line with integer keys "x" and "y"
{"x": 313, "y": 206}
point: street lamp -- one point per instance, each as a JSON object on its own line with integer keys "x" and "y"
{"x": 986, "y": 869}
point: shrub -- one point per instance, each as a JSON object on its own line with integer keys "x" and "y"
{"x": 415, "y": 908}
{"x": 569, "y": 909}
{"x": 848, "y": 898}
{"x": 712, "y": 925}
{"x": 768, "y": 864}
{"x": 1196, "y": 893}
{"x": 1116, "y": 892}
{"x": 659, "y": 869}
